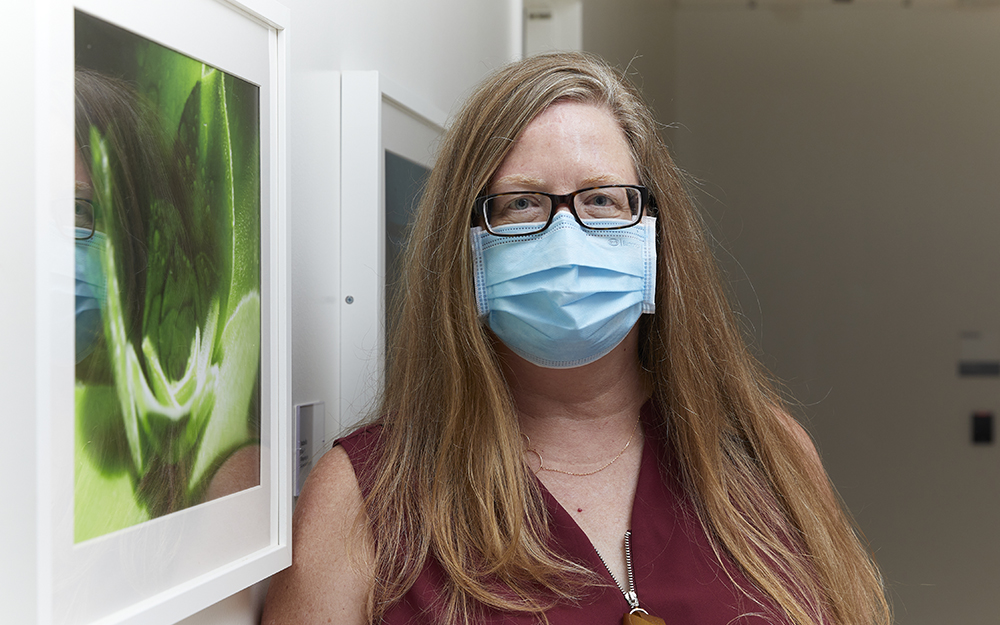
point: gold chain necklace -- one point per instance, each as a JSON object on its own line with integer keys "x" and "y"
{"x": 542, "y": 467}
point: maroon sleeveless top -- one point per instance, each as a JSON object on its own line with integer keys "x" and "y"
{"x": 677, "y": 576}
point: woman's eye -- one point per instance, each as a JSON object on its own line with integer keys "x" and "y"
{"x": 84, "y": 214}
{"x": 602, "y": 200}
{"x": 521, "y": 203}
{"x": 517, "y": 208}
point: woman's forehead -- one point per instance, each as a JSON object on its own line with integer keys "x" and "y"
{"x": 569, "y": 143}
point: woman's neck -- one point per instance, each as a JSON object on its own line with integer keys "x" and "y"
{"x": 578, "y": 412}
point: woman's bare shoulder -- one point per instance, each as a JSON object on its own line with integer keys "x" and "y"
{"x": 800, "y": 435}
{"x": 814, "y": 465}
{"x": 330, "y": 576}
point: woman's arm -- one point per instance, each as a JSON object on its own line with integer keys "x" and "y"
{"x": 330, "y": 575}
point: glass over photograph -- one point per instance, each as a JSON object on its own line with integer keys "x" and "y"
{"x": 168, "y": 288}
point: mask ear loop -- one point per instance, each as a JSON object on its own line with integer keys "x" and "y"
{"x": 647, "y": 322}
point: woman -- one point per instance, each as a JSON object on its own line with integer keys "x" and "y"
{"x": 569, "y": 405}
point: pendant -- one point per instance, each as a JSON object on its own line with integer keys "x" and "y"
{"x": 641, "y": 618}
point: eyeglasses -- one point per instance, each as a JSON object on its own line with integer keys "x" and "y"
{"x": 607, "y": 207}
{"x": 84, "y": 219}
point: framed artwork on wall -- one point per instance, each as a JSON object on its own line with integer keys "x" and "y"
{"x": 389, "y": 142}
{"x": 169, "y": 449}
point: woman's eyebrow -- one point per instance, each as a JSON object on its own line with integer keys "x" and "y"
{"x": 525, "y": 181}
{"x": 515, "y": 180}
{"x": 596, "y": 181}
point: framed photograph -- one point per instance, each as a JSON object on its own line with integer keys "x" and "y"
{"x": 170, "y": 451}
{"x": 389, "y": 142}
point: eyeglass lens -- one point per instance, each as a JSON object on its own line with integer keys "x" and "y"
{"x": 84, "y": 218}
{"x": 593, "y": 206}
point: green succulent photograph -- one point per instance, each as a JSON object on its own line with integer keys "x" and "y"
{"x": 168, "y": 295}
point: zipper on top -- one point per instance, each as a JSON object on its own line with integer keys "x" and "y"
{"x": 630, "y": 596}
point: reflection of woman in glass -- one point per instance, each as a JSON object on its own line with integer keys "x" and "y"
{"x": 572, "y": 430}
{"x": 91, "y": 287}
{"x": 144, "y": 173}
{"x": 141, "y": 305}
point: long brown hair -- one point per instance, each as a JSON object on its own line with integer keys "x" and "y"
{"x": 451, "y": 483}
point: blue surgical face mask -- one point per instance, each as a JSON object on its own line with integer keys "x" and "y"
{"x": 566, "y": 296}
{"x": 91, "y": 291}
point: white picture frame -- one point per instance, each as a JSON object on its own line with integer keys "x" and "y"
{"x": 172, "y": 566}
{"x": 377, "y": 115}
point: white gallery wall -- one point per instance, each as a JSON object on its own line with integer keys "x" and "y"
{"x": 435, "y": 49}
{"x": 19, "y": 530}
{"x": 848, "y": 155}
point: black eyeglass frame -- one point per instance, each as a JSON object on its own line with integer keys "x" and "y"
{"x": 645, "y": 201}
{"x": 93, "y": 218}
